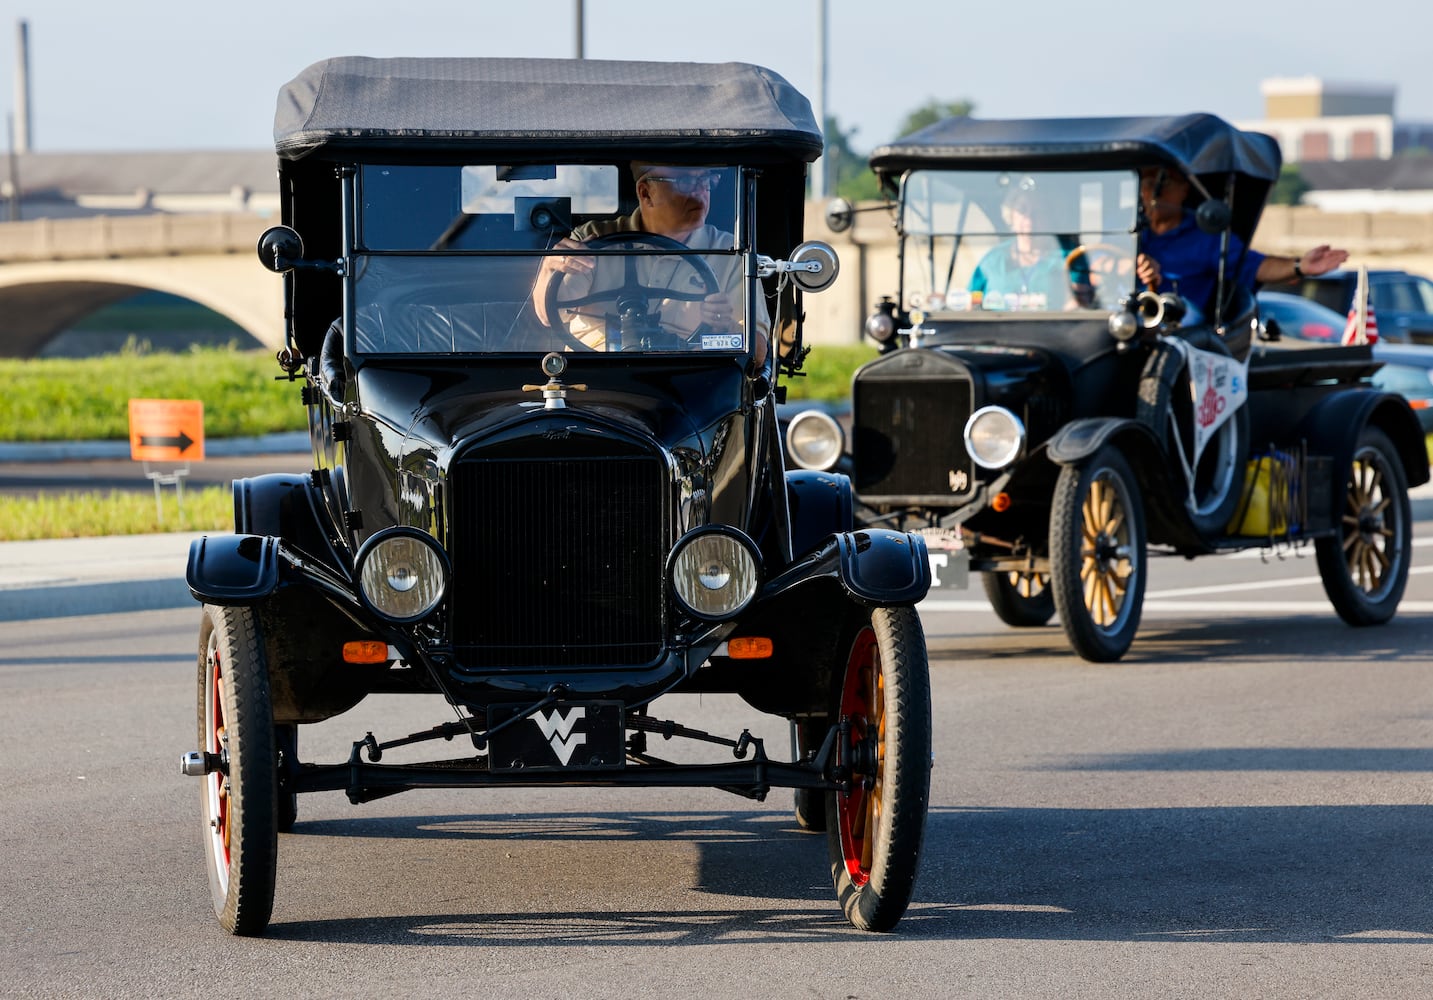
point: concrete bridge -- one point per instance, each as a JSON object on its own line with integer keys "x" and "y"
{"x": 54, "y": 272}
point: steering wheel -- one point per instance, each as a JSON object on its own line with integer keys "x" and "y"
{"x": 1104, "y": 258}
{"x": 631, "y": 293}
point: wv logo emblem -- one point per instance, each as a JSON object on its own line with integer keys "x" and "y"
{"x": 557, "y": 727}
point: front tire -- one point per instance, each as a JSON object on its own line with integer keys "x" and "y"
{"x": 1020, "y": 600}
{"x": 1364, "y": 567}
{"x": 874, "y": 831}
{"x": 240, "y": 800}
{"x": 1097, "y": 555}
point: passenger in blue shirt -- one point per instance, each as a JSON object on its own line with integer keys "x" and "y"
{"x": 1178, "y": 256}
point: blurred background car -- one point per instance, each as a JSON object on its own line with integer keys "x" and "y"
{"x": 1403, "y": 301}
{"x": 1407, "y": 368}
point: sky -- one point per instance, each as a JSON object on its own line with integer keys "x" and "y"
{"x": 195, "y": 74}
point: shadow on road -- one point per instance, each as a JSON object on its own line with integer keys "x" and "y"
{"x": 1289, "y": 638}
{"x": 1252, "y": 874}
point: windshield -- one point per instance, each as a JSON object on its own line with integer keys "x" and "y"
{"x": 541, "y": 257}
{"x": 1001, "y": 241}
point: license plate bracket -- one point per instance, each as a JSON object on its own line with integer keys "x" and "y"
{"x": 571, "y": 735}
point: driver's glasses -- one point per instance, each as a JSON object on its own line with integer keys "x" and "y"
{"x": 688, "y": 183}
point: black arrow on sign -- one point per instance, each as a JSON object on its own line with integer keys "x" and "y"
{"x": 181, "y": 441}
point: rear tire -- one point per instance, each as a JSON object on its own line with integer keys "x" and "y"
{"x": 1020, "y": 600}
{"x": 874, "y": 831}
{"x": 240, "y": 813}
{"x": 1097, "y": 555}
{"x": 1364, "y": 567}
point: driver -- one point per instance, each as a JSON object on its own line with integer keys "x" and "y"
{"x": 1180, "y": 257}
{"x": 672, "y": 202}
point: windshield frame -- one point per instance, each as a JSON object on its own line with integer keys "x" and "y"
{"x": 952, "y": 224}
{"x": 753, "y": 319}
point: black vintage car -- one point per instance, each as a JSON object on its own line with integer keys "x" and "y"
{"x": 1048, "y": 423}
{"x": 548, "y": 486}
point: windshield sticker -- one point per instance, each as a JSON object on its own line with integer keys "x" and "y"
{"x": 721, "y": 341}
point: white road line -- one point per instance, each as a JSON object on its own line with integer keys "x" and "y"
{"x": 1252, "y": 585}
{"x": 1199, "y": 607}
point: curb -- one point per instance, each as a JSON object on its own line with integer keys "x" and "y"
{"x": 75, "y": 600}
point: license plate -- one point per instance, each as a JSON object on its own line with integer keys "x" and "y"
{"x": 949, "y": 560}
{"x": 583, "y": 734}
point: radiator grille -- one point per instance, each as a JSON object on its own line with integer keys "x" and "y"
{"x": 907, "y": 439}
{"x": 559, "y": 562}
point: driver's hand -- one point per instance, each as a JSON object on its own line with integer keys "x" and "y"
{"x": 1146, "y": 268}
{"x": 574, "y": 266}
{"x": 717, "y": 313}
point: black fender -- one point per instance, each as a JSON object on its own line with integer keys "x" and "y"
{"x": 1079, "y": 439}
{"x": 232, "y": 569}
{"x": 286, "y": 506}
{"x": 820, "y": 503}
{"x": 1333, "y": 424}
{"x": 1168, "y": 521}
{"x": 874, "y": 566}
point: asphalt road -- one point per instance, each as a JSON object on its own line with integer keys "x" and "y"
{"x": 85, "y": 475}
{"x": 1240, "y": 808}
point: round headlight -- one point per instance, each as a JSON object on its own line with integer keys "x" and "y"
{"x": 714, "y": 572}
{"x": 994, "y": 437}
{"x": 814, "y": 440}
{"x": 402, "y": 574}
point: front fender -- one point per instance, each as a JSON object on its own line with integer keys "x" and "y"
{"x": 1079, "y": 439}
{"x": 233, "y": 569}
{"x": 875, "y": 566}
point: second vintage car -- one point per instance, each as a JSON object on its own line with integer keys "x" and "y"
{"x": 1048, "y": 424}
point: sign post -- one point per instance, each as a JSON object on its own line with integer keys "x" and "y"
{"x": 166, "y": 430}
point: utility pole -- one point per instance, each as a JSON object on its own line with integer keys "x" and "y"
{"x": 819, "y": 176}
{"x": 22, "y": 87}
{"x": 581, "y": 33}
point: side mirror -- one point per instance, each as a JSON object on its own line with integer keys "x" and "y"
{"x": 814, "y": 266}
{"x": 280, "y": 248}
{"x": 1213, "y": 216}
{"x": 840, "y": 215}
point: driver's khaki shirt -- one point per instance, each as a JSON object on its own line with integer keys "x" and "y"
{"x": 680, "y": 317}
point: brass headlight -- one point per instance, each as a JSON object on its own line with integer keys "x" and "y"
{"x": 815, "y": 440}
{"x": 994, "y": 437}
{"x": 402, "y": 574}
{"x": 715, "y": 572}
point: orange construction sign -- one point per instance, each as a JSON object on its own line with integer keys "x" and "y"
{"x": 166, "y": 430}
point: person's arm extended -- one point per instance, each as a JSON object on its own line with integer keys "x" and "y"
{"x": 1282, "y": 270}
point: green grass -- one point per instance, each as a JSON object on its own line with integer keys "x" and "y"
{"x": 87, "y": 399}
{"x": 828, "y": 371}
{"x": 118, "y": 512}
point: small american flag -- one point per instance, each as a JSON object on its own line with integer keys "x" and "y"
{"x": 1362, "y": 327}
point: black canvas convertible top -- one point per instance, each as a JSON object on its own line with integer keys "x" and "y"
{"x": 1202, "y": 145}
{"x": 591, "y": 107}
{"x": 1195, "y": 143}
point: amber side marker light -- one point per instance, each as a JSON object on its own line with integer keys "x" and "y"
{"x": 365, "y": 651}
{"x": 749, "y": 647}
{"x": 1001, "y": 503}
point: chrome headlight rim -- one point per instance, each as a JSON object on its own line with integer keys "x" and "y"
{"x": 743, "y": 544}
{"x": 833, "y": 432}
{"x": 1003, "y": 458}
{"x": 371, "y": 549}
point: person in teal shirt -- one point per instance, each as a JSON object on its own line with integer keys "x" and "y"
{"x": 1028, "y": 271}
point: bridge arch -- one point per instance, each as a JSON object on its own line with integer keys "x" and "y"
{"x": 39, "y": 299}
